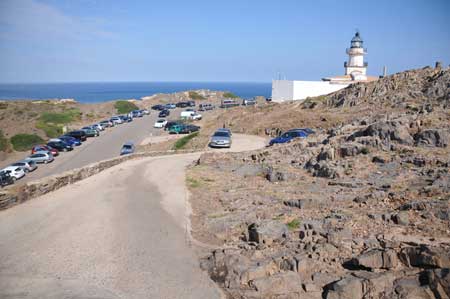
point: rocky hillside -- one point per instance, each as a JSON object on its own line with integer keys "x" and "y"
{"x": 359, "y": 210}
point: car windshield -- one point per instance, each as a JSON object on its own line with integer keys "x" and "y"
{"x": 161, "y": 121}
{"x": 18, "y": 164}
{"x": 221, "y": 134}
{"x": 127, "y": 147}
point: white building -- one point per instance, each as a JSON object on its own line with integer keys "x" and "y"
{"x": 355, "y": 71}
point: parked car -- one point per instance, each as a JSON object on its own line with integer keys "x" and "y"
{"x": 127, "y": 148}
{"x": 14, "y": 171}
{"x": 164, "y": 113}
{"x": 288, "y": 137}
{"x": 98, "y": 127}
{"x": 90, "y": 132}
{"x": 41, "y": 157}
{"x": 145, "y": 112}
{"x": 70, "y": 140}
{"x": 137, "y": 113}
{"x": 228, "y": 103}
{"x": 183, "y": 129}
{"x": 158, "y": 107}
{"x": 225, "y": 130}
{"x": 5, "y": 179}
{"x": 182, "y": 104}
{"x": 220, "y": 139}
{"x": 190, "y": 115}
{"x": 249, "y": 102}
{"x": 91, "y": 128}
{"x": 44, "y": 148}
{"x": 160, "y": 123}
{"x": 306, "y": 130}
{"x": 170, "y": 106}
{"x": 170, "y": 124}
{"x": 26, "y": 165}
{"x": 78, "y": 134}
{"x": 60, "y": 146}
{"x": 191, "y": 103}
{"x": 205, "y": 107}
{"x": 117, "y": 120}
{"x": 106, "y": 123}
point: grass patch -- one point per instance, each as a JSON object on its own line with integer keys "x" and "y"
{"x": 195, "y": 95}
{"x": 365, "y": 151}
{"x": 294, "y": 224}
{"x": 230, "y": 95}
{"x": 3, "y": 142}
{"x": 3, "y": 105}
{"x": 184, "y": 140}
{"x": 193, "y": 183}
{"x": 52, "y": 122}
{"x": 61, "y": 118}
{"x": 125, "y": 107}
{"x": 24, "y": 142}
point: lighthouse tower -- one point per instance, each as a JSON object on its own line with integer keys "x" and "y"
{"x": 355, "y": 66}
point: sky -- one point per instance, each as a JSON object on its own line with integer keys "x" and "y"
{"x": 196, "y": 40}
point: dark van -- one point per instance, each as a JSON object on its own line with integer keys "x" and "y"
{"x": 78, "y": 134}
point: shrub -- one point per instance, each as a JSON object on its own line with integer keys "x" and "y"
{"x": 230, "y": 95}
{"x": 124, "y": 107}
{"x": 193, "y": 183}
{"x": 3, "y": 105}
{"x": 184, "y": 140}
{"x": 365, "y": 151}
{"x": 195, "y": 96}
{"x": 294, "y": 224}
{"x": 23, "y": 142}
{"x": 64, "y": 117}
{"x": 3, "y": 142}
{"x": 51, "y": 130}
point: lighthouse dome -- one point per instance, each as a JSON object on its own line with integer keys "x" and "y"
{"x": 357, "y": 41}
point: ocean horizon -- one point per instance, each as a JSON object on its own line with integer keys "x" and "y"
{"x": 97, "y": 92}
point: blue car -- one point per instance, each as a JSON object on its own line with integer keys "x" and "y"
{"x": 289, "y": 136}
{"x": 70, "y": 140}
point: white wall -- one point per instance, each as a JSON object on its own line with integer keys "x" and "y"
{"x": 284, "y": 90}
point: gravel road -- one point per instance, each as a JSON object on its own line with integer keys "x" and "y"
{"x": 120, "y": 234}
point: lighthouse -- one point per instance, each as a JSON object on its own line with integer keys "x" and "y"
{"x": 355, "y": 66}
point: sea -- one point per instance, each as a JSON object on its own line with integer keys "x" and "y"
{"x": 101, "y": 92}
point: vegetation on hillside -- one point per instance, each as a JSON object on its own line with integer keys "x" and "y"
{"x": 52, "y": 122}
{"x": 3, "y": 142}
{"x": 230, "y": 95}
{"x": 184, "y": 140}
{"x": 124, "y": 107}
{"x": 195, "y": 95}
{"x": 24, "y": 142}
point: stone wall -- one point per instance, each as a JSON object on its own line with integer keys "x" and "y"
{"x": 18, "y": 193}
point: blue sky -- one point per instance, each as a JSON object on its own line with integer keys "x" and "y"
{"x": 254, "y": 40}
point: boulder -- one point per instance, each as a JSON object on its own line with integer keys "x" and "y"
{"x": 433, "y": 137}
{"x": 267, "y": 232}
{"x": 387, "y": 131}
{"x": 346, "y": 288}
{"x": 377, "y": 259}
{"x": 425, "y": 257}
{"x": 350, "y": 149}
{"x": 281, "y": 284}
{"x": 401, "y": 218}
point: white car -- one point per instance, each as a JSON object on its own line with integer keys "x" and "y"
{"x": 98, "y": 127}
{"x": 160, "y": 123}
{"x": 116, "y": 120}
{"x": 189, "y": 114}
{"x": 15, "y": 172}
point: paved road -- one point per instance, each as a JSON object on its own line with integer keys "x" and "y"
{"x": 119, "y": 234}
{"x": 106, "y": 146}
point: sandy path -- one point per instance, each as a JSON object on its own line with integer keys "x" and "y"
{"x": 119, "y": 234}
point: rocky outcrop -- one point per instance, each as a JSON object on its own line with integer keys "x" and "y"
{"x": 433, "y": 137}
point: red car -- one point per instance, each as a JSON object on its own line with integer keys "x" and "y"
{"x": 44, "y": 148}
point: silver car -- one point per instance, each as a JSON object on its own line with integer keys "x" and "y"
{"x": 220, "y": 139}
{"x": 26, "y": 165}
{"x": 41, "y": 157}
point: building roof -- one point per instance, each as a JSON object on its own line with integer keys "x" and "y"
{"x": 347, "y": 78}
{"x": 357, "y": 37}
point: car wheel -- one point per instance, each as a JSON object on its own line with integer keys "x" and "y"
{"x": 13, "y": 179}
{"x": 45, "y": 161}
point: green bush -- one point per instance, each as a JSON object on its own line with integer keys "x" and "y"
{"x": 230, "y": 95}
{"x": 124, "y": 107}
{"x": 294, "y": 224}
{"x": 195, "y": 96}
{"x": 3, "y": 142}
{"x": 184, "y": 140}
{"x": 51, "y": 130}
{"x": 64, "y": 117}
{"x": 3, "y": 105}
{"x": 23, "y": 142}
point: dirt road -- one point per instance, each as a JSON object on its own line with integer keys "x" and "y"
{"x": 119, "y": 234}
